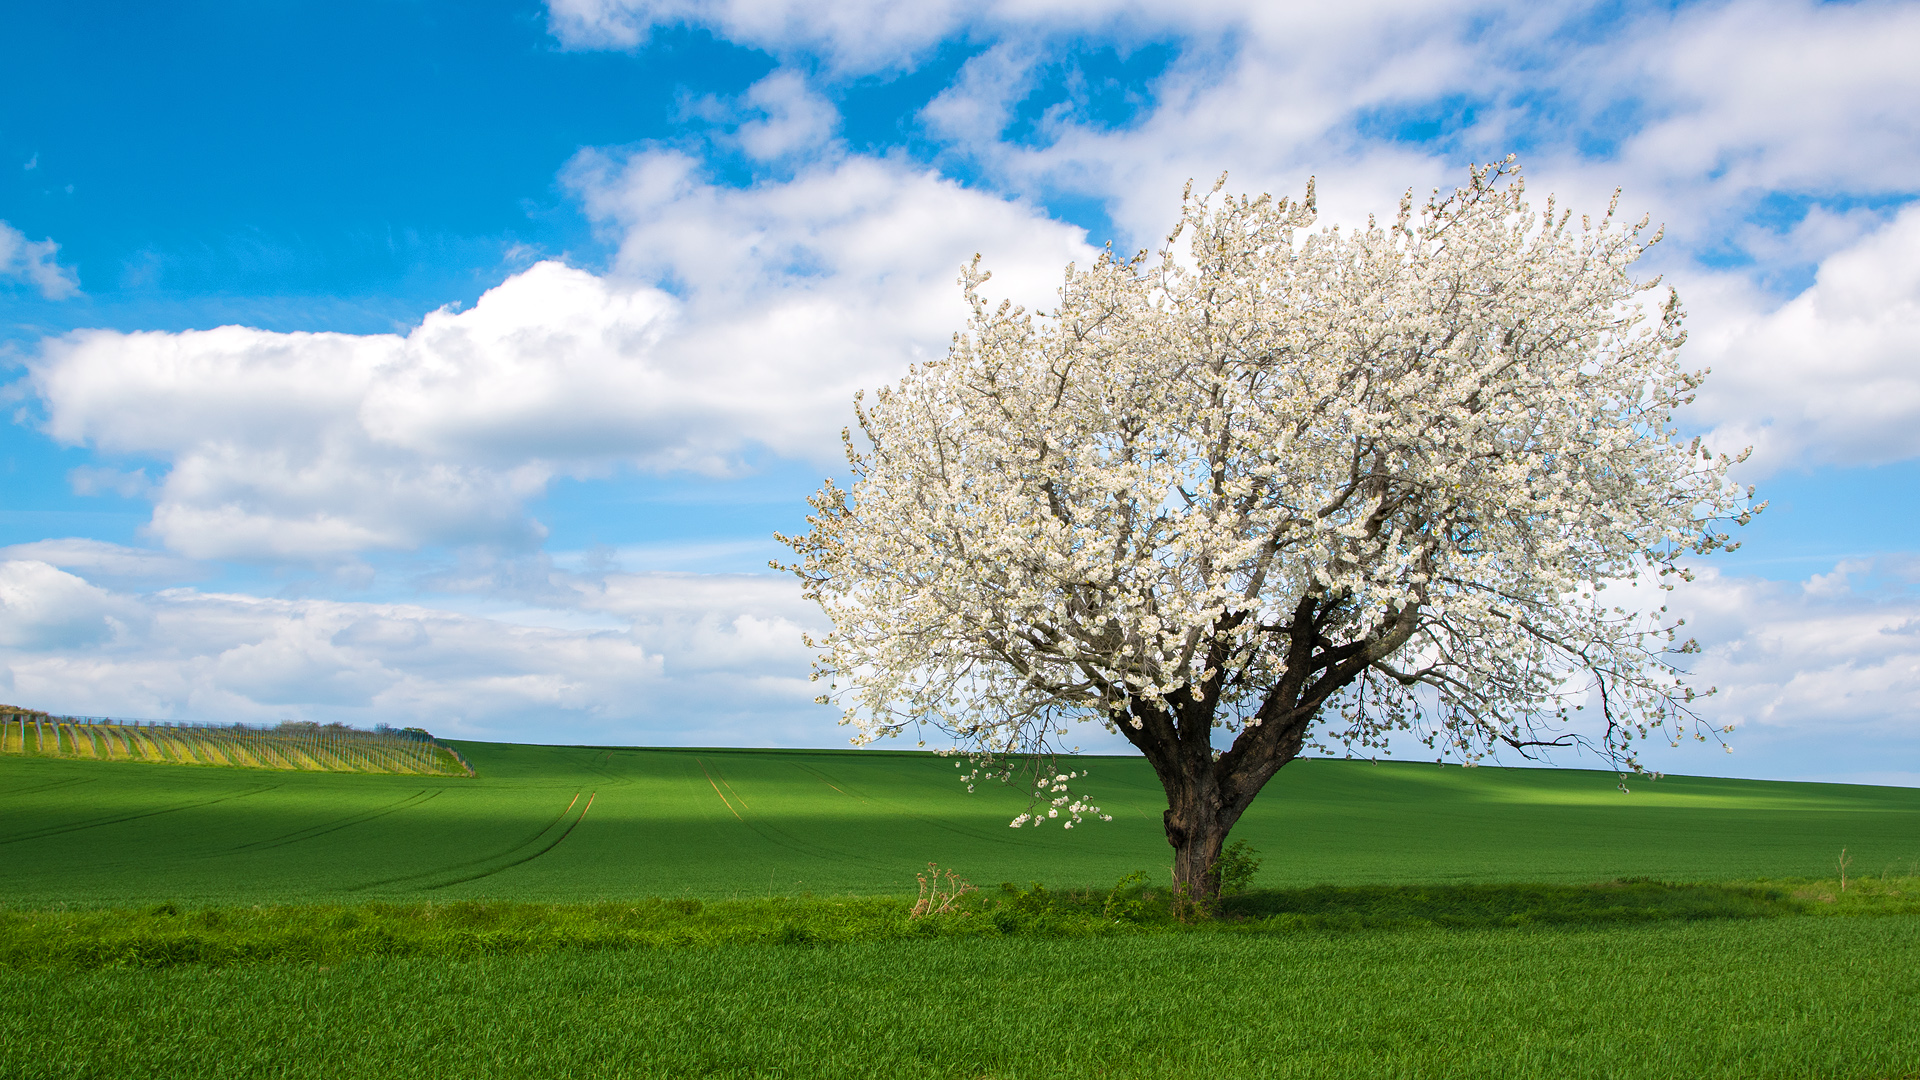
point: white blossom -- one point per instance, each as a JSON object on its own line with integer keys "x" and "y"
{"x": 1311, "y": 485}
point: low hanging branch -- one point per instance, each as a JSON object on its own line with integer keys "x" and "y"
{"x": 1287, "y": 486}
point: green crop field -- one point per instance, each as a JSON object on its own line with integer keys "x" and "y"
{"x": 582, "y": 824}
{"x": 1786, "y": 998}
{"x": 363, "y": 925}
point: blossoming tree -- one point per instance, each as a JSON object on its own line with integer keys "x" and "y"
{"x": 1277, "y": 488}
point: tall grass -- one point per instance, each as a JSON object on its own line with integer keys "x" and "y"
{"x": 1700, "y": 1000}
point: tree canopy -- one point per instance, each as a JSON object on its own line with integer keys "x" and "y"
{"x": 1278, "y": 486}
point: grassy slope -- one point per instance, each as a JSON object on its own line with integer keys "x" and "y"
{"x": 1776, "y": 998}
{"x": 1750, "y": 998}
{"x": 836, "y": 822}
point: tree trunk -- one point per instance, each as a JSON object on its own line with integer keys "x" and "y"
{"x": 1208, "y": 791}
{"x": 1197, "y": 825}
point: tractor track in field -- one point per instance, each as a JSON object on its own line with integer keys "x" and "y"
{"x": 314, "y": 832}
{"x": 822, "y": 777}
{"x": 602, "y": 765}
{"x": 508, "y": 853}
{"x": 568, "y": 831}
{"x": 68, "y": 782}
{"x": 716, "y": 788}
{"x": 57, "y": 830}
{"x": 773, "y": 834}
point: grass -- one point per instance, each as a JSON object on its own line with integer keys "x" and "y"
{"x": 588, "y": 912}
{"x": 166, "y": 935}
{"x": 84, "y": 834}
{"x": 1787, "y": 997}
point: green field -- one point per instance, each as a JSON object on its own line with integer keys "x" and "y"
{"x": 727, "y": 823}
{"x": 1775, "y": 998}
{"x": 495, "y": 926}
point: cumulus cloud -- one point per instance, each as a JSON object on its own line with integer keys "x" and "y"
{"x": 786, "y": 298}
{"x": 869, "y": 35}
{"x": 36, "y": 263}
{"x": 1819, "y": 678}
{"x": 743, "y": 316}
{"x": 1269, "y": 92}
{"x": 791, "y": 118}
{"x": 1768, "y": 95}
{"x": 42, "y": 607}
{"x": 1810, "y": 672}
{"x": 1699, "y": 110}
{"x": 863, "y": 34}
{"x": 799, "y": 292}
{"x": 780, "y": 120}
{"x": 321, "y": 445}
{"x": 103, "y": 562}
{"x": 1806, "y": 670}
{"x": 687, "y": 659}
{"x": 1832, "y": 377}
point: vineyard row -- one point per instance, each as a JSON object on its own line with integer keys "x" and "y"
{"x": 305, "y": 747}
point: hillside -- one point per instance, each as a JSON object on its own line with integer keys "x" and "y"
{"x": 580, "y": 823}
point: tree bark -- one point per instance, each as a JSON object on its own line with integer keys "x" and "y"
{"x": 1207, "y": 793}
{"x": 1197, "y": 829}
{"x": 1205, "y": 796}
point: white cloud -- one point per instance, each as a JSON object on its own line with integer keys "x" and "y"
{"x": 736, "y": 317}
{"x": 94, "y": 480}
{"x": 692, "y": 659}
{"x": 1270, "y": 92}
{"x": 322, "y": 445}
{"x": 791, "y": 118}
{"x": 1832, "y": 377}
{"x": 35, "y": 262}
{"x": 1819, "y": 678}
{"x": 1765, "y": 95}
{"x": 979, "y": 104}
{"x": 42, "y": 607}
{"x": 100, "y": 561}
{"x": 862, "y": 34}
{"x": 1698, "y": 110}
{"x": 869, "y": 35}
{"x": 1810, "y": 672}
{"x": 780, "y": 119}
{"x": 778, "y": 300}
{"x": 1818, "y": 659}
{"x": 790, "y": 297}
{"x": 1710, "y": 108}
{"x": 798, "y": 293}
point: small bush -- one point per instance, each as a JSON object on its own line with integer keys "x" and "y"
{"x": 1122, "y": 907}
{"x": 1236, "y": 867}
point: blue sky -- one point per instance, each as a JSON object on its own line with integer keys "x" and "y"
{"x": 412, "y": 362}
